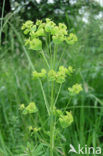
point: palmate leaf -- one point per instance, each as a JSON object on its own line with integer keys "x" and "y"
{"x": 37, "y": 150}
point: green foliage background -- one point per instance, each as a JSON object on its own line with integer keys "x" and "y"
{"x": 17, "y": 86}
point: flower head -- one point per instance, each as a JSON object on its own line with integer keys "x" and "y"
{"x": 31, "y": 108}
{"x": 58, "y": 38}
{"x": 71, "y": 39}
{"x": 38, "y": 22}
{"x": 51, "y": 75}
{"x": 61, "y": 74}
{"x": 35, "y": 44}
{"x": 66, "y": 120}
{"x": 60, "y": 77}
{"x": 34, "y": 130}
{"x": 40, "y": 32}
{"x": 70, "y": 70}
{"x": 22, "y": 107}
{"x": 43, "y": 73}
{"x": 76, "y": 89}
{"x": 36, "y": 33}
{"x": 49, "y": 26}
{"x": 27, "y": 25}
{"x": 37, "y": 75}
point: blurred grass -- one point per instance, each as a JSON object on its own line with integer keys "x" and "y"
{"x": 17, "y": 87}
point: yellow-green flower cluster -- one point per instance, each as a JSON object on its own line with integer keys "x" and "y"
{"x": 34, "y": 44}
{"x": 76, "y": 89}
{"x": 52, "y": 75}
{"x": 36, "y": 32}
{"x": 60, "y": 75}
{"x": 42, "y": 74}
{"x": 31, "y": 108}
{"x": 22, "y": 107}
{"x": 34, "y": 130}
{"x": 70, "y": 70}
{"x": 66, "y": 120}
{"x": 71, "y": 39}
{"x": 27, "y": 26}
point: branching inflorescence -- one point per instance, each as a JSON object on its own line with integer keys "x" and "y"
{"x": 36, "y": 36}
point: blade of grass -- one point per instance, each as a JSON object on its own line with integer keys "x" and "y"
{"x": 2, "y": 20}
{"x": 3, "y": 144}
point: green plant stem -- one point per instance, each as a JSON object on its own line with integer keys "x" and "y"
{"x": 57, "y": 95}
{"x": 60, "y": 59}
{"x": 55, "y": 54}
{"x": 67, "y": 105}
{"x": 52, "y": 121}
{"x": 51, "y": 57}
{"x": 44, "y": 57}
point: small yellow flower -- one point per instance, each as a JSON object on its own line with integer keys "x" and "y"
{"x": 31, "y": 108}
{"x": 27, "y": 25}
{"x": 40, "y": 32}
{"x": 35, "y": 44}
{"x": 66, "y": 120}
{"x": 71, "y": 39}
{"x": 76, "y": 89}
{"x": 42, "y": 74}
{"x": 35, "y": 74}
{"x": 60, "y": 77}
{"x": 63, "y": 69}
{"x": 58, "y": 38}
{"x": 38, "y": 22}
{"x": 48, "y": 20}
{"x": 34, "y": 130}
{"x": 70, "y": 70}
{"x": 51, "y": 75}
{"x": 22, "y": 106}
{"x": 61, "y": 74}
